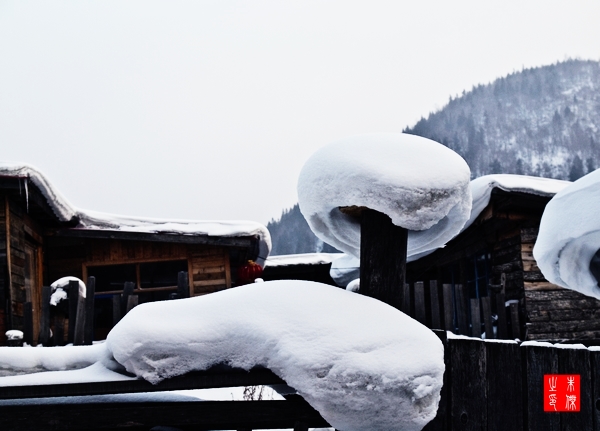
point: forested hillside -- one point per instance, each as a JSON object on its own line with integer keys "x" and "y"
{"x": 543, "y": 121}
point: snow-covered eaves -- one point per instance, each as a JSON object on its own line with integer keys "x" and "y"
{"x": 302, "y": 259}
{"x": 92, "y": 221}
{"x": 482, "y": 188}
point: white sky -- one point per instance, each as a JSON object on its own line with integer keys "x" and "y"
{"x": 209, "y": 109}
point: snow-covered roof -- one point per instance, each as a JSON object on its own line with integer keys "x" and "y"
{"x": 482, "y": 187}
{"x": 569, "y": 236}
{"x": 97, "y": 221}
{"x": 302, "y": 259}
{"x": 421, "y": 185}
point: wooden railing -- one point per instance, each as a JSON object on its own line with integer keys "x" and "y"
{"x": 60, "y": 414}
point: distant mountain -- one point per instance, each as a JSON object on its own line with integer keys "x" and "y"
{"x": 543, "y": 121}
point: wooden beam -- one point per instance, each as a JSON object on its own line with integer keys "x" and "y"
{"x": 88, "y": 334}
{"x": 241, "y": 241}
{"x": 8, "y": 262}
{"x": 217, "y": 377}
{"x": 212, "y": 415}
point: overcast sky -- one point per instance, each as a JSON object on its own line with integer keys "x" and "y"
{"x": 209, "y": 109}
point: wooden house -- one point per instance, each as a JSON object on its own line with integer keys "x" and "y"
{"x": 494, "y": 255}
{"x": 43, "y": 238}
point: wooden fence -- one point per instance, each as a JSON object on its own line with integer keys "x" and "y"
{"x": 450, "y": 308}
{"x": 498, "y": 386}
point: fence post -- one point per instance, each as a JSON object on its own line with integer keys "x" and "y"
{"x": 183, "y": 286}
{"x": 44, "y": 337}
{"x": 539, "y": 360}
{"x": 500, "y": 309}
{"x": 78, "y": 337}
{"x": 475, "y": 318}
{"x": 132, "y": 301}
{"x": 406, "y": 300}
{"x": 504, "y": 387}
{"x": 440, "y": 422}
{"x": 576, "y": 360}
{"x": 436, "y": 321}
{"x": 89, "y": 310}
{"x": 461, "y": 309}
{"x": 420, "y": 303}
{"x": 116, "y": 308}
{"x": 595, "y": 372}
{"x": 448, "y": 307}
{"x": 486, "y": 307}
{"x": 468, "y": 397}
{"x": 73, "y": 296}
{"x": 28, "y": 323}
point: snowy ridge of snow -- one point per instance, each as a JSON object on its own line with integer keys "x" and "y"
{"x": 61, "y": 207}
{"x": 569, "y": 236}
{"x": 92, "y": 220}
{"x": 361, "y": 363}
{"x": 420, "y": 184}
{"x": 302, "y": 259}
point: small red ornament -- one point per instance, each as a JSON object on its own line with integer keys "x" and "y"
{"x": 249, "y": 272}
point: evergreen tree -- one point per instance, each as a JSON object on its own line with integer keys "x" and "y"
{"x": 576, "y": 171}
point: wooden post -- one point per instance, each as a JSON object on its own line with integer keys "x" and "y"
{"x": 127, "y": 290}
{"x": 577, "y": 361}
{"x": 116, "y": 309}
{"x": 504, "y": 387}
{"x": 461, "y": 309}
{"x": 28, "y": 323}
{"x": 500, "y": 309}
{"x": 78, "y": 338}
{"x": 468, "y": 397}
{"x": 539, "y": 361}
{"x": 90, "y": 293}
{"x": 407, "y": 300}
{"x": 73, "y": 296}
{"x": 436, "y": 321}
{"x": 59, "y": 330}
{"x": 420, "y": 302}
{"x": 183, "y": 287}
{"x": 441, "y": 420}
{"x": 475, "y": 318}
{"x": 44, "y": 337}
{"x": 486, "y": 307}
{"x": 382, "y": 258}
{"x": 514, "y": 321}
{"x": 448, "y": 308}
{"x": 132, "y": 301}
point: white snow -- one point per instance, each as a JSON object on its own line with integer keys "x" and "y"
{"x": 422, "y": 185}
{"x": 569, "y": 236}
{"x": 361, "y": 363}
{"x": 92, "y": 220}
{"x": 302, "y": 259}
{"x": 345, "y": 269}
{"x": 14, "y": 334}
{"x": 354, "y": 285}
{"x": 58, "y": 289}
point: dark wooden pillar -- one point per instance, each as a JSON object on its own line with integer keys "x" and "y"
{"x": 44, "y": 337}
{"x": 382, "y": 258}
{"x": 90, "y": 294}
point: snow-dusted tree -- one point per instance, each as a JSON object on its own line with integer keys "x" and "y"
{"x": 383, "y": 197}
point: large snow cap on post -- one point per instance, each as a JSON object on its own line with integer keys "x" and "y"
{"x": 569, "y": 236}
{"x": 361, "y": 363}
{"x": 420, "y": 184}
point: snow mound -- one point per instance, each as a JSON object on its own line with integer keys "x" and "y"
{"x": 569, "y": 236}
{"x": 420, "y": 184}
{"x": 345, "y": 269}
{"x": 59, "y": 292}
{"x": 361, "y": 363}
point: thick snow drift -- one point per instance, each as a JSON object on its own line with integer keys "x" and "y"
{"x": 361, "y": 363}
{"x": 59, "y": 289}
{"x": 569, "y": 236}
{"x": 420, "y": 184}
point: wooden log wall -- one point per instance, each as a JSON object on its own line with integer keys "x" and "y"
{"x": 208, "y": 265}
{"x": 552, "y": 312}
{"x": 22, "y": 264}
